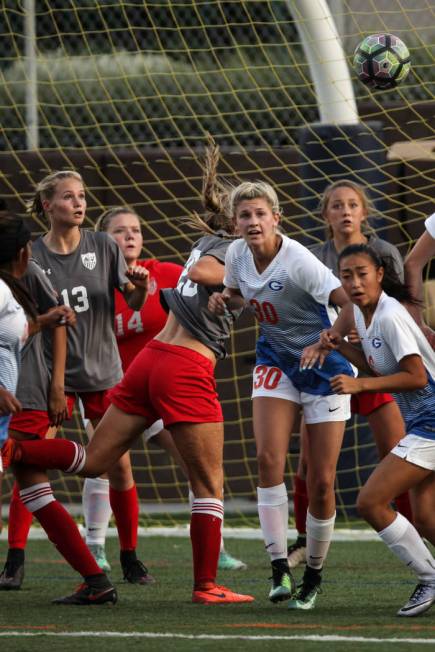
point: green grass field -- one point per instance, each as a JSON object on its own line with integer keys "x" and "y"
{"x": 364, "y": 586}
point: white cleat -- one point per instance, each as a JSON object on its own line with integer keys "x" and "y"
{"x": 420, "y": 601}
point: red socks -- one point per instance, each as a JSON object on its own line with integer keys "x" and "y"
{"x": 20, "y": 520}
{"x": 205, "y": 535}
{"x": 60, "y": 528}
{"x": 125, "y": 508}
{"x": 60, "y": 454}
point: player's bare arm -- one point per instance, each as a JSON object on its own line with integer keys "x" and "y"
{"x": 136, "y": 290}
{"x": 57, "y": 406}
{"x": 412, "y": 376}
{"x": 229, "y": 299}
{"x": 208, "y": 270}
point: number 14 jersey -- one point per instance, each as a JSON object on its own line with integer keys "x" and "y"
{"x": 290, "y": 301}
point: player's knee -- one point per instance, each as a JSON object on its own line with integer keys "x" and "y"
{"x": 321, "y": 489}
{"x": 267, "y": 461}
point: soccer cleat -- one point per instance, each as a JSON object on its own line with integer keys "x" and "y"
{"x": 135, "y": 572}
{"x": 283, "y": 584}
{"x": 422, "y": 598}
{"x": 86, "y": 594}
{"x": 228, "y": 562}
{"x": 296, "y": 553}
{"x": 306, "y": 593}
{"x": 12, "y": 575}
{"x": 99, "y": 554}
{"x": 219, "y": 595}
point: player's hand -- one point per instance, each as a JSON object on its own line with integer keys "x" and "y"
{"x": 57, "y": 406}
{"x": 353, "y": 337}
{"x": 139, "y": 276}
{"x": 330, "y": 340}
{"x": 343, "y": 384}
{"x": 217, "y": 303}
{"x": 57, "y": 316}
{"x": 9, "y": 404}
{"x": 311, "y": 355}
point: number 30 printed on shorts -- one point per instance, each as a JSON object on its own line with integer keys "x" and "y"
{"x": 267, "y": 377}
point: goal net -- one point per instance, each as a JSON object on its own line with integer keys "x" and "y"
{"x": 126, "y": 91}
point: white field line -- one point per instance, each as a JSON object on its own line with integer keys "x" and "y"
{"x": 327, "y": 638}
{"x": 229, "y": 533}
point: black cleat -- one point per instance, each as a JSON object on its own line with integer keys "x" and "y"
{"x": 137, "y": 573}
{"x": 86, "y": 594}
{"x": 12, "y": 575}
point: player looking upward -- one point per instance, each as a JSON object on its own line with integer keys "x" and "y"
{"x": 400, "y": 360}
{"x": 135, "y": 328}
{"x": 289, "y": 290}
{"x": 85, "y": 268}
{"x": 191, "y": 342}
{"x": 345, "y": 208}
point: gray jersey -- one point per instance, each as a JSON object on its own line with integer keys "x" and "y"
{"x": 34, "y": 378}
{"x": 188, "y": 301}
{"x": 85, "y": 280}
{"x": 327, "y": 253}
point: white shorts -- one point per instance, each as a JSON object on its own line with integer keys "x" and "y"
{"x": 417, "y": 450}
{"x": 153, "y": 430}
{"x": 272, "y": 382}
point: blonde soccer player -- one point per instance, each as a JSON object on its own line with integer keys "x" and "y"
{"x": 290, "y": 293}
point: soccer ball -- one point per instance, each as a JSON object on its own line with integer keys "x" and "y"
{"x": 381, "y": 61}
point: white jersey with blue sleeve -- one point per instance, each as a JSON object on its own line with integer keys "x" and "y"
{"x": 391, "y": 336}
{"x": 290, "y": 301}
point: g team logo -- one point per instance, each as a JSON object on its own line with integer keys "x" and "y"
{"x": 276, "y": 285}
{"x": 376, "y": 343}
{"x": 89, "y": 260}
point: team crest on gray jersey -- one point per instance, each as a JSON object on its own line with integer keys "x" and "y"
{"x": 89, "y": 260}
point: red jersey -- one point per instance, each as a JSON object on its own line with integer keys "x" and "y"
{"x": 134, "y": 328}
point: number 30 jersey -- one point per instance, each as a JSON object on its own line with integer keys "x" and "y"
{"x": 86, "y": 279}
{"x": 189, "y": 301}
{"x": 290, "y": 301}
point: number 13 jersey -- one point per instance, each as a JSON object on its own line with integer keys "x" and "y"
{"x": 85, "y": 279}
{"x": 290, "y": 301}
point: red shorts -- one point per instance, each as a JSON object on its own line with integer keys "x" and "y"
{"x": 34, "y": 422}
{"x": 94, "y": 403}
{"x": 367, "y": 402}
{"x": 169, "y": 382}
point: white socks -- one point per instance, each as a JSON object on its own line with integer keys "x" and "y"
{"x": 403, "y": 539}
{"x": 96, "y": 509}
{"x": 273, "y": 513}
{"x": 319, "y": 535}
